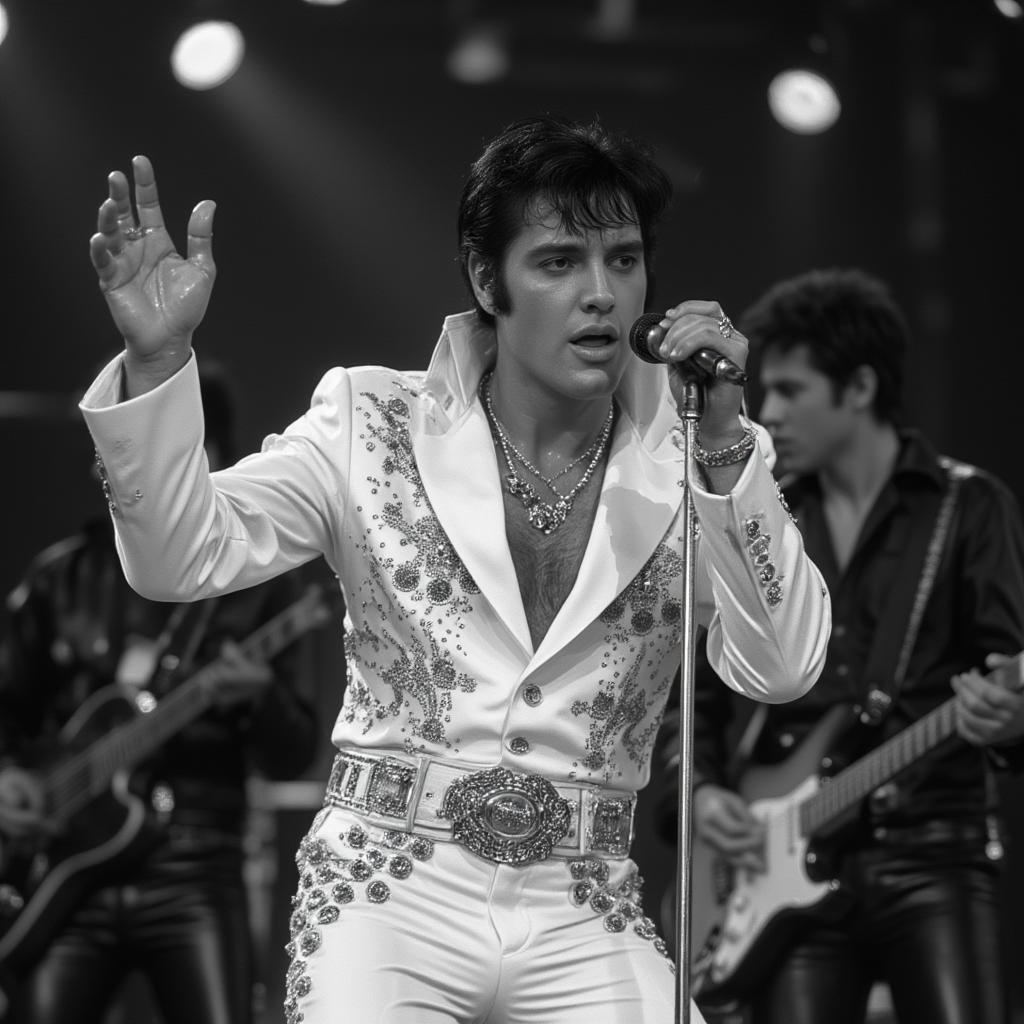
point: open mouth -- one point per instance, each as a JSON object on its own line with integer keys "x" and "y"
{"x": 593, "y": 340}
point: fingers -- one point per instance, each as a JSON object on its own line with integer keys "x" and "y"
{"x": 200, "y": 235}
{"x": 117, "y": 221}
{"x": 982, "y": 697}
{"x": 726, "y": 823}
{"x": 147, "y": 204}
{"x": 698, "y": 307}
{"x": 117, "y": 185}
{"x": 744, "y": 850}
{"x": 115, "y": 227}
{"x": 697, "y": 324}
{"x": 146, "y": 201}
{"x": 108, "y": 237}
{"x": 986, "y": 713}
{"x": 118, "y": 231}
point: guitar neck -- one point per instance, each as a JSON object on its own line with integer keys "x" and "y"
{"x": 71, "y": 784}
{"x": 841, "y": 793}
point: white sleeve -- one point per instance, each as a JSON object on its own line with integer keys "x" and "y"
{"x": 184, "y": 533}
{"x": 769, "y": 631}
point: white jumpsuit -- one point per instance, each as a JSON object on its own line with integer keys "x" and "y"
{"x": 392, "y": 478}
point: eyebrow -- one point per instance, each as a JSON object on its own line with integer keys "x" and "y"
{"x": 575, "y": 247}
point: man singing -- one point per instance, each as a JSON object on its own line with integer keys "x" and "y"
{"x": 506, "y": 527}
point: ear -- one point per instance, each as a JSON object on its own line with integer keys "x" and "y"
{"x": 862, "y": 388}
{"x": 482, "y": 280}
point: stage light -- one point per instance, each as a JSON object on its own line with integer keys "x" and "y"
{"x": 207, "y": 54}
{"x": 479, "y": 57}
{"x": 1009, "y": 9}
{"x": 803, "y": 101}
{"x": 3, "y": 23}
{"x": 326, "y": 3}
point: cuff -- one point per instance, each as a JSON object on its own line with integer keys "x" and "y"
{"x": 133, "y": 437}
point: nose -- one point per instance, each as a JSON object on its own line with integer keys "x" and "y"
{"x": 597, "y": 292}
{"x": 770, "y": 413}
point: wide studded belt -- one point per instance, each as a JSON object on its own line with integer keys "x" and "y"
{"x": 505, "y": 816}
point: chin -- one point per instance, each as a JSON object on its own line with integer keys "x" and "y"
{"x": 598, "y": 380}
{"x": 591, "y": 387}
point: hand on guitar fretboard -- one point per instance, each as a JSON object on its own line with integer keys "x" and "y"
{"x": 22, "y": 806}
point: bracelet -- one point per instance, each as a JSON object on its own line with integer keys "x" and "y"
{"x": 727, "y": 456}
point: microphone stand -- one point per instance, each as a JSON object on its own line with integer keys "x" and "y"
{"x": 691, "y": 411}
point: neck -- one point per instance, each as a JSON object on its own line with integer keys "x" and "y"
{"x": 861, "y": 468}
{"x": 549, "y": 429}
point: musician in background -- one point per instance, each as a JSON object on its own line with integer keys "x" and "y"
{"x": 921, "y": 861}
{"x": 179, "y": 914}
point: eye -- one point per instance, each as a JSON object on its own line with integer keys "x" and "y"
{"x": 556, "y": 263}
{"x": 625, "y": 261}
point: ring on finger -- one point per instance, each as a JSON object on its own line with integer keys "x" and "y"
{"x": 132, "y": 233}
{"x": 725, "y": 327}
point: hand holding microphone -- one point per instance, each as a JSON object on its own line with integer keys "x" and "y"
{"x": 699, "y": 344}
{"x": 647, "y": 334}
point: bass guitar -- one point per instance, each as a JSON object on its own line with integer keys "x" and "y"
{"x": 98, "y": 823}
{"x": 751, "y": 916}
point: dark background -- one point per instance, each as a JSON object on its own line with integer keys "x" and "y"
{"x": 338, "y": 151}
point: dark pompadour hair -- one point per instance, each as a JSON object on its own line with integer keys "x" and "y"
{"x": 846, "y": 319}
{"x": 587, "y": 175}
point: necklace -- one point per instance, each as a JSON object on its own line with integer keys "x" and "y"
{"x": 543, "y": 515}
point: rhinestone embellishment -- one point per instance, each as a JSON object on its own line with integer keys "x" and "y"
{"x": 759, "y": 552}
{"x": 506, "y": 817}
{"x": 618, "y": 906}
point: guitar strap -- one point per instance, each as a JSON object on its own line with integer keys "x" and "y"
{"x": 895, "y": 639}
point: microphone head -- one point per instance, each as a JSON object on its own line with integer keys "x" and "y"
{"x": 640, "y": 340}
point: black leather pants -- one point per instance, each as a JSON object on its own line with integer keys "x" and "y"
{"x": 926, "y": 923}
{"x": 181, "y": 921}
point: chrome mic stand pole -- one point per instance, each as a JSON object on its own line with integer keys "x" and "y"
{"x": 691, "y": 410}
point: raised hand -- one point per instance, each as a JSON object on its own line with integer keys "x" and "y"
{"x": 156, "y": 297}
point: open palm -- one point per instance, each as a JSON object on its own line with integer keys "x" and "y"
{"x": 156, "y": 297}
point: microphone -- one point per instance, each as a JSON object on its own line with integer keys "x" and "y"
{"x": 645, "y": 336}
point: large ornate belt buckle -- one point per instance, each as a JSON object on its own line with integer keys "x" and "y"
{"x": 505, "y": 816}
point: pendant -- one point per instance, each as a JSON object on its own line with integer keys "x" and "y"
{"x": 548, "y": 518}
{"x": 542, "y": 516}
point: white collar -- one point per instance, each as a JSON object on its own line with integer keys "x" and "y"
{"x": 467, "y": 348}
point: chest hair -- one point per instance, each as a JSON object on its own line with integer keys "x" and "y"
{"x": 547, "y": 565}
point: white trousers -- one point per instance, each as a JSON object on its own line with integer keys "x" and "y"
{"x": 388, "y": 929}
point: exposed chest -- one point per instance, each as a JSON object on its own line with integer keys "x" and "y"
{"x": 547, "y": 565}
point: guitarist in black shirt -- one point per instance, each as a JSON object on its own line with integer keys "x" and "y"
{"x": 889, "y": 870}
{"x": 161, "y": 894}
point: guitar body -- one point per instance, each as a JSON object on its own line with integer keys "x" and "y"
{"x": 101, "y": 824}
{"x": 806, "y": 802}
{"x": 759, "y": 911}
{"x": 42, "y": 883}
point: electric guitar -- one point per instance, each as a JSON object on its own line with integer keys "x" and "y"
{"x": 754, "y": 913}
{"x": 99, "y": 824}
